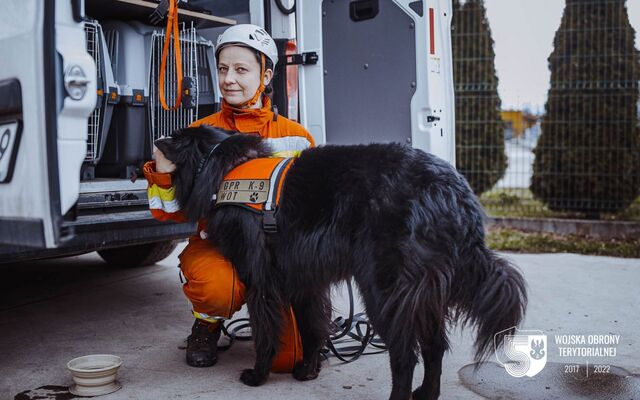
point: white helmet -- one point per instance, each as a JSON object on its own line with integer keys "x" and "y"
{"x": 251, "y": 36}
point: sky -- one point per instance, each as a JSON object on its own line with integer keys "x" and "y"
{"x": 523, "y": 32}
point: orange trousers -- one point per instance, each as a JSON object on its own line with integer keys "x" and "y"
{"x": 213, "y": 287}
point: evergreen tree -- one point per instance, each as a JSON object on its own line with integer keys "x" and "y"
{"x": 480, "y": 153}
{"x": 588, "y": 155}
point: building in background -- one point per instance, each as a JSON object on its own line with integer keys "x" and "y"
{"x": 517, "y": 122}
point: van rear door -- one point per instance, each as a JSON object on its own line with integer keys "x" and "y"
{"x": 384, "y": 73}
{"x": 47, "y": 90}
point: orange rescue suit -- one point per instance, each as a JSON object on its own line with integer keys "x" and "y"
{"x": 212, "y": 284}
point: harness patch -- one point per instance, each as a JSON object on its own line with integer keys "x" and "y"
{"x": 254, "y": 191}
{"x": 257, "y": 186}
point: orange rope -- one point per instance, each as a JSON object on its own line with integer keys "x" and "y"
{"x": 256, "y": 96}
{"x": 172, "y": 26}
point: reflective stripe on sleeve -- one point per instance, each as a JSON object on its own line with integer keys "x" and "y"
{"x": 164, "y": 194}
{"x": 156, "y": 203}
{"x": 162, "y": 199}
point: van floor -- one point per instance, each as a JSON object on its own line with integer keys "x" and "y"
{"x": 112, "y": 185}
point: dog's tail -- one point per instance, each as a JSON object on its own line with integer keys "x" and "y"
{"x": 491, "y": 295}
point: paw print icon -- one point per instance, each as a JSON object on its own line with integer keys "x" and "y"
{"x": 254, "y": 197}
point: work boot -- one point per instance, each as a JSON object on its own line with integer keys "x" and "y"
{"x": 202, "y": 344}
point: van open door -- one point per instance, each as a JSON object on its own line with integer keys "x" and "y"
{"x": 384, "y": 73}
{"x": 46, "y": 94}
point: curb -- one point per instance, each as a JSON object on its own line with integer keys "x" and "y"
{"x": 579, "y": 227}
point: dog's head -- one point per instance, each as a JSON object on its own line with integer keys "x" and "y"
{"x": 186, "y": 146}
{"x": 203, "y": 156}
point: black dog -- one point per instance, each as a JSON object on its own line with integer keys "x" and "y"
{"x": 403, "y": 223}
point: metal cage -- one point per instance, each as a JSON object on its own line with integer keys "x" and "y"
{"x": 100, "y": 119}
{"x": 197, "y": 53}
{"x": 92, "y": 32}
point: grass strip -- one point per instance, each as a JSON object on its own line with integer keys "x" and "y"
{"x": 505, "y": 239}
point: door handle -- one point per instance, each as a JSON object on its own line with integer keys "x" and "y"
{"x": 76, "y": 82}
{"x": 361, "y": 10}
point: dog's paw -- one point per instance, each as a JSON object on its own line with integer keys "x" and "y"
{"x": 306, "y": 371}
{"x": 251, "y": 378}
{"x": 422, "y": 394}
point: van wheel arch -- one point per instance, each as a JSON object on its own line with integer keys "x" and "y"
{"x": 138, "y": 255}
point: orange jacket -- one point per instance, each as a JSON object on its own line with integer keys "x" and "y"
{"x": 287, "y": 138}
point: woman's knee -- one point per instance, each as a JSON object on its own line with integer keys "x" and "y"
{"x": 211, "y": 281}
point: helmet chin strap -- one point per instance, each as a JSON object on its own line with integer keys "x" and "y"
{"x": 261, "y": 88}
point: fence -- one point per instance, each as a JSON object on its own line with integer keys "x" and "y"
{"x": 578, "y": 158}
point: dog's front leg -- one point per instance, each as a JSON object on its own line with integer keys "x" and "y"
{"x": 266, "y": 321}
{"x": 313, "y": 315}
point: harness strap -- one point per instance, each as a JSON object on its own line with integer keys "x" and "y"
{"x": 172, "y": 28}
{"x": 258, "y": 93}
{"x": 275, "y": 187}
{"x": 269, "y": 223}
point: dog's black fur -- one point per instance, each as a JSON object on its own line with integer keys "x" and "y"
{"x": 403, "y": 223}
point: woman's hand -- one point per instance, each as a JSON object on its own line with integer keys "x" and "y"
{"x": 163, "y": 165}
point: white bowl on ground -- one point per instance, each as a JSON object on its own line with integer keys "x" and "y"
{"x": 94, "y": 375}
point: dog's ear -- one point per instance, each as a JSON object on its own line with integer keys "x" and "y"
{"x": 217, "y": 134}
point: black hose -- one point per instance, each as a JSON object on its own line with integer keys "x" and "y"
{"x": 348, "y": 341}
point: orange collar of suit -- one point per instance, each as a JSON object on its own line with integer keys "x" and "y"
{"x": 256, "y": 185}
{"x": 247, "y": 119}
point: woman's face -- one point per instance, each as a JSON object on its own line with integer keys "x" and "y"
{"x": 239, "y": 74}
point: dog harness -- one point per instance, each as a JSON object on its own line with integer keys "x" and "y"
{"x": 257, "y": 186}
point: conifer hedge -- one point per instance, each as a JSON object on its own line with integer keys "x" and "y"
{"x": 588, "y": 156}
{"x": 480, "y": 155}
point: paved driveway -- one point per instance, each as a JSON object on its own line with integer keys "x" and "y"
{"x": 52, "y": 311}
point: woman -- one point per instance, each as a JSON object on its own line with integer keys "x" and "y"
{"x": 246, "y": 56}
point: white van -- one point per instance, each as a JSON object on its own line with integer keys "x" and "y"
{"x": 79, "y": 106}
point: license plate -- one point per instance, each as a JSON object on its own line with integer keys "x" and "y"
{"x": 8, "y": 135}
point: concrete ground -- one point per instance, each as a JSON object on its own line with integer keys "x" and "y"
{"x": 52, "y": 311}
